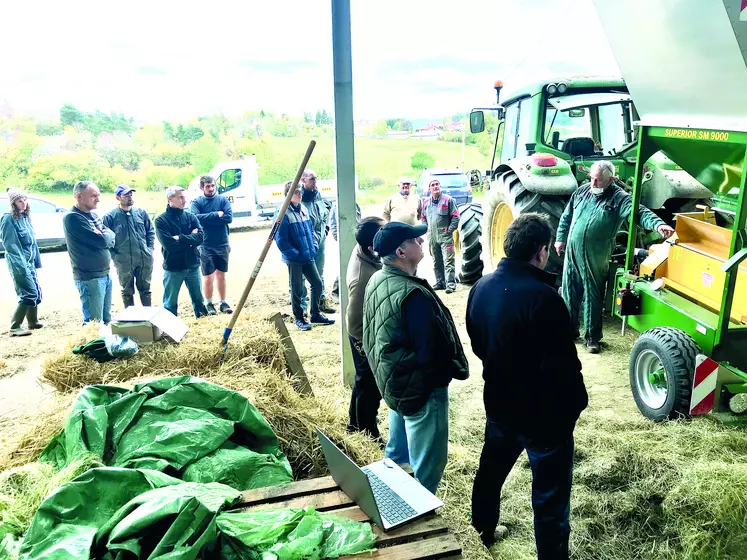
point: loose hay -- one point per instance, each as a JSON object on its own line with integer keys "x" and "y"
{"x": 23, "y": 489}
{"x": 198, "y": 353}
{"x": 254, "y": 365}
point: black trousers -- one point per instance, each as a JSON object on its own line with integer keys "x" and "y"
{"x": 365, "y": 400}
{"x": 552, "y": 469}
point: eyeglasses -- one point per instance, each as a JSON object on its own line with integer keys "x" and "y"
{"x": 312, "y": 178}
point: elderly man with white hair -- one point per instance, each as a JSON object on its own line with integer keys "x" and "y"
{"x": 586, "y": 233}
{"x": 180, "y": 234}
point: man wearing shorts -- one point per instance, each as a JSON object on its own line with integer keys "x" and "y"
{"x": 214, "y": 213}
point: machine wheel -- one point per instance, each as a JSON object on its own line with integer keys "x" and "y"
{"x": 468, "y": 243}
{"x": 662, "y": 364}
{"x": 508, "y": 199}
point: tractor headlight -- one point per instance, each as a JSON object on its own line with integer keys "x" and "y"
{"x": 562, "y": 88}
{"x": 552, "y": 89}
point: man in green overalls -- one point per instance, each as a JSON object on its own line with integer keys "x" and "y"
{"x": 586, "y": 233}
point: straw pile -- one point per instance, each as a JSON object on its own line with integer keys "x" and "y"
{"x": 254, "y": 366}
{"x": 23, "y": 489}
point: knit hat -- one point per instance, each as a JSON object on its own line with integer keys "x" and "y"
{"x": 14, "y": 195}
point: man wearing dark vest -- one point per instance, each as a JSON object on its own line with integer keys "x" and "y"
{"x": 414, "y": 351}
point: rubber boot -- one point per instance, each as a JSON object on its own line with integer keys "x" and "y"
{"x": 32, "y": 316}
{"x": 16, "y": 328}
{"x": 145, "y": 300}
{"x": 128, "y": 301}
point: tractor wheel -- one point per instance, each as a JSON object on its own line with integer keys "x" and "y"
{"x": 662, "y": 364}
{"x": 468, "y": 243}
{"x": 508, "y": 199}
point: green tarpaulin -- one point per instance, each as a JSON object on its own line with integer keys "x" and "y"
{"x": 132, "y": 514}
{"x": 185, "y": 427}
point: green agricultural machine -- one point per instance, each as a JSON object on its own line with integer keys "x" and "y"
{"x": 686, "y": 159}
{"x": 552, "y": 133}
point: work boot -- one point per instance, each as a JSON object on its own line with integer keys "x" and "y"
{"x": 210, "y": 309}
{"x": 501, "y": 532}
{"x": 438, "y": 286}
{"x": 325, "y": 307}
{"x": 32, "y": 318}
{"x": 128, "y": 301}
{"x": 450, "y": 288}
{"x": 16, "y": 328}
{"x": 593, "y": 347}
{"x": 145, "y": 300}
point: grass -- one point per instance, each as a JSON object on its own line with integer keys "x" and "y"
{"x": 379, "y": 163}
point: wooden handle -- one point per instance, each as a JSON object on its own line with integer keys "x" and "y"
{"x": 268, "y": 243}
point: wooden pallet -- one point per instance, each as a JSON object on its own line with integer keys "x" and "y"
{"x": 428, "y": 537}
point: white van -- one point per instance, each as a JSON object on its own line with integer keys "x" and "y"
{"x": 238, "y": 180}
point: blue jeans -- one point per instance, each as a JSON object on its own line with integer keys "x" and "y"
{"x": 422, "y": 439}
{"x": 552, "y": 470}
{"x": 297, "y": 273}
{"x": 172, "y": 283}
{"x": 319, "y": 262}
{"x": 96, "y": 299}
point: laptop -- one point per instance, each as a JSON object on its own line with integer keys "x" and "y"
{"x": 383, "y": 490}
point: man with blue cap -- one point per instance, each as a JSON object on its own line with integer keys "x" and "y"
{"x": 414, "y": 351}
{"x": 133, "y": 246}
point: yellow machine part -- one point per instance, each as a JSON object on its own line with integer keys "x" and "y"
{"x": 690, "y": 263}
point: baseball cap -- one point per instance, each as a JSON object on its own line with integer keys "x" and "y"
{"x": 405, "y": 179}
{"x": 123, "y": 189}
{"x": 394, "y": 234}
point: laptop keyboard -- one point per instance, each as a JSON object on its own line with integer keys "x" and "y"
{"x": 391, "y": 507}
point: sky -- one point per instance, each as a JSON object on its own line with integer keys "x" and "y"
{"x": 162, "y": 59}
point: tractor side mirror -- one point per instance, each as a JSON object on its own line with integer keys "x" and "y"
{"x": 476, "y": 122}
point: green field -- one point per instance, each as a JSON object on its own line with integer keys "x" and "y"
{"x": 378, "y": 164}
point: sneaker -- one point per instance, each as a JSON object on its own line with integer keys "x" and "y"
{"x": 593, "y": 347}
{"x": 210, "y": 309}
{"x": 321, "y": 320}
{"x": 439, "y": 287}
{"x": 500, "y": 533}
{"x": 450, "y": 289}
{"x": 302, "y": 325}
{"x": 225, "y": 308}
{"x": 324, "y": 306}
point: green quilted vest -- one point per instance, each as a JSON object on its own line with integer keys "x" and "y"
{"x": 404, "y": 383}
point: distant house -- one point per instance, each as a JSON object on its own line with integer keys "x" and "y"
{"x": 426, "y": 134}
{"x": 397, "y": 134}
{"x": 456, "y": 126}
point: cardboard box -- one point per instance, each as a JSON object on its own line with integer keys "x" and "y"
{"x": 148, "y": 324}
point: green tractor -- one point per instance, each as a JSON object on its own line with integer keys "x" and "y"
{"x": 552, "y": 133}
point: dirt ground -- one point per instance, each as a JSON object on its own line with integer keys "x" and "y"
{"x": 21, "y": 392}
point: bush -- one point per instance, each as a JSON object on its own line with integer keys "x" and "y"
{"x": 422, "y": 160}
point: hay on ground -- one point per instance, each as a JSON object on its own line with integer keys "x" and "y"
{"x": 197, "y": 354}
{"x": 23, "y": 489}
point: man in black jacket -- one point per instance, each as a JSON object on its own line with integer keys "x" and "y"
{"x": 534, "y": 391}
{"x": 133, "y": 247}
{"x": 180, "y": 234}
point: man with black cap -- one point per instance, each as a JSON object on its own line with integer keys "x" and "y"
{"x": 414, "y": 351}
{"x": 133, "y": 246}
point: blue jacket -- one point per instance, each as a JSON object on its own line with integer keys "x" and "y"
{"x": 295, "y": 236}
{"x": 215, "y": 228}
{"x": 22, "y": 256}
